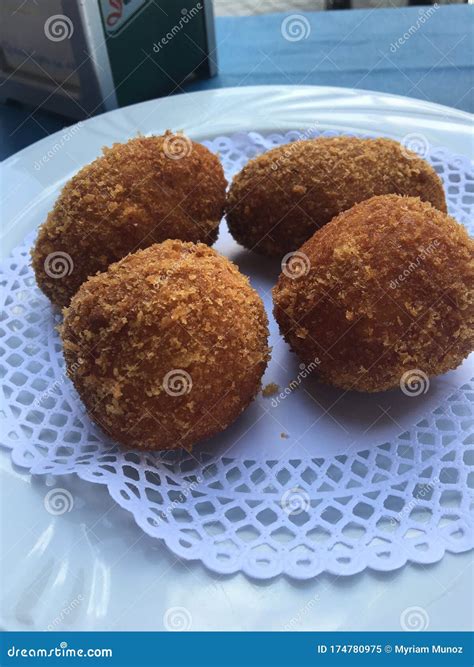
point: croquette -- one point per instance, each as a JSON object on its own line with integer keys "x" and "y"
{"x": 282, "y": 197}
{"x": 387, "y": 288}
{"x": 167, "y": 347}
{"x": 136, "y": 194}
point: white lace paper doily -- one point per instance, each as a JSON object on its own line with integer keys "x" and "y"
{"x": 306, "y": 481}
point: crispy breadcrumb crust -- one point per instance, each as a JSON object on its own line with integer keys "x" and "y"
{"x": 282, "y": 197}
{"x": 270, "y": 389}
{"x": 178, "y": 308}
{"x": 132, "y": 196}
{"x": 390, "y": 289}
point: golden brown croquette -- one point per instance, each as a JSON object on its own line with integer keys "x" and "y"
{"x": 388, "y": 287}
{"x": 167, "y": 347}
{"x": 138, "y": 193}
{"x": 282, "y": 197}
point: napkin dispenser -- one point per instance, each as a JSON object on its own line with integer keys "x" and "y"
{"x": 83, "y": 57}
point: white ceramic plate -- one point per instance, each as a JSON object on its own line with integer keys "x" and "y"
{"x": 84, "y": 568}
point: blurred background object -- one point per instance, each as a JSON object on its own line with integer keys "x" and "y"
{"x": 249, "y": 7}
{"x": 117, "y": 52}
{"x": 81, "y": 57}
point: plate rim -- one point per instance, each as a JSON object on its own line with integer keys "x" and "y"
{"x": 314, "y": 92}
{"x": 261, "y": 108}
{"x": 245, "y": 90}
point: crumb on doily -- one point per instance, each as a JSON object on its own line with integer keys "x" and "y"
{"x": 284, "y": 435}
{"x": 270, "y": 389}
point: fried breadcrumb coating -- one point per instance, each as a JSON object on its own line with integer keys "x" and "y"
{"x": 136, "y": 194}
{"x": 167, "y": 347}
{"x": 282, "y": 197}
{"x": 388, "y": 288}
